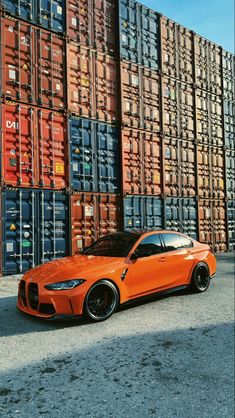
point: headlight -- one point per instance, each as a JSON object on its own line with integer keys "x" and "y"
{"x": 66, "y": 285}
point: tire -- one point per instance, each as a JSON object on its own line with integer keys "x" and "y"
{"x": 101, "y": 301}
{"x": 200, "y": 278}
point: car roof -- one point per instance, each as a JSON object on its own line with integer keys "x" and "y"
{"x": 141, "y": 232}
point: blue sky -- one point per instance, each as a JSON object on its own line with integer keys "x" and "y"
{"x": 213, "y": 19}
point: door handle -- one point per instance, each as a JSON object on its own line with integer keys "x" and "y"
{"x": 161, "y": 260}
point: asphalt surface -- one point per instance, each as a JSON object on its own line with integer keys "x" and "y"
{"x": 170, "y": 357}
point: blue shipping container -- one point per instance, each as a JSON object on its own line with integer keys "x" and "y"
{"x": 139, "y": 34}
{"x": 181, "y": 215}
{"x": 49, "y": 14}
{"x": 142, "y": 212}
{"x": 34, "y": 228}
{"x": 231, "y": 225}
{"x": 94, "y": 156}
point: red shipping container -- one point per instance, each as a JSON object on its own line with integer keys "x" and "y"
{"x": 209, "y": 118}
{"x": 141, "y": 159}
{"x": 177, "y": 50}
{"x": 33, "y": 147}
{"x": 93, "y": 215}
{"x": 212, "y": 223}
{"x": 92, "y": 83}
{"x": 93, "y": 23}
{"x": 32, "y": 63}
{"x": 140, "y": 91}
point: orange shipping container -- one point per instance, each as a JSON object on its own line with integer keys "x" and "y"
{"x": 141, "y": 159}
{"x": 210, "y": 172}
{"x": 93, "y": 23}
{"x": 212, "y": 223}
{"x": 32, "y": 62}
{"x": 177, "y": 51}
{"x": 140, "y": 92}
{"x": 92, "y": 83}
{"x": 92, "y": 215}
{"x": 33, "y": 147}
{"x": 209, "y": 118}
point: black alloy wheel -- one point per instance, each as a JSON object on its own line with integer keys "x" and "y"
{"x": 201, "y": 278}
{"x": 101, "y": 301}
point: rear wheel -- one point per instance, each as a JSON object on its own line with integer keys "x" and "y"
{"x": 101, "y": 301}
{"x": 200, "y": 278}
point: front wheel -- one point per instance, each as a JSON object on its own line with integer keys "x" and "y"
{"x": 200, "y": 278}
{"x": 101, "y": 301}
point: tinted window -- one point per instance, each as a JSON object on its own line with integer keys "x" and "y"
{"x": 113, "y": 245}
{"x": 152, "y": 243}
{"x": 186, "y": 242}
{"x": 172, "y": 242}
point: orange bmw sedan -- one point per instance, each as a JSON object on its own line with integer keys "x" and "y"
{"x": 116, "y": 269}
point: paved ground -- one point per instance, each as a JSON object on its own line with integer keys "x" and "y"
{"x": 171, "y": 357}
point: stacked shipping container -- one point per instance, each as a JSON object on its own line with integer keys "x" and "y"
{"x": 112, "y": 116}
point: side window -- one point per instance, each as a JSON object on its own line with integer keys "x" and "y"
{"x": 186, "y": 242}
{"x": 172, "y": 242}
{"x": 151, "y": 243}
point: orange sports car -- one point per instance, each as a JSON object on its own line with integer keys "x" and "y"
{"x": 117, "y": 268}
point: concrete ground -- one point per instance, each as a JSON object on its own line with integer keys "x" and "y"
{"x": 170, "y": 357}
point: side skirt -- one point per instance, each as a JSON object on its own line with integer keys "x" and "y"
{"x": 152, "y": 295}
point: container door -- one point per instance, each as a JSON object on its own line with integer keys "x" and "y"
{"x": 20, "y": 8}
{"x": 231, "y": 225}
{"x": 133, "y": 212}
{"x": 106, "y": 87}
{"x": 19, "y": 231}
{"x": 53, "y": 225}
{"x": 150, "y": 38}
{"x": 189, "y": 217}
{"x": 105, "y": 26}
{"x": 108, "y": 158}
{"x": 82, "y": 155}
{"x": 18, "y": 148}
{"x": 51, "y": 14}
{"x": 153, "y": 213}
{"x": 129, "y": 27}
{"x": 173, "y": 214}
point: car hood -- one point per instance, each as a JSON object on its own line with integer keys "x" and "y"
{"x": 78, "y": 266}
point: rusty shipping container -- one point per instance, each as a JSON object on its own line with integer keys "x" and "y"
{"x": 209, "y": 118}
{"x": 33, "y": 147}
{"x": 34, "y": 228}
{"x": 208, "y": 65}
{"x": 230, "y": 173}
{"x": 93, "y": 23}
{"x": 212, "y": 223}
{"x": 32, "y": 62}
{"x": 92, "y": 215}
{"x": 48, "y": 13}
{"x": 177, "y": 51}
{"x": 210, "y": 168}
{"x": 92, "y": 83}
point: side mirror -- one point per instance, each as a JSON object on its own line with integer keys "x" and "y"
{"x": 140, "y": 253}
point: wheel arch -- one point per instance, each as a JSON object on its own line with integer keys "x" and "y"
{"x": 100, "y": 280}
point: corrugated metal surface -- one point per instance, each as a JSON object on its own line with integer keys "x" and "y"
{"x": 179, "y": 167}
{"x": 177, "y": 50}
{"x": 178, "y": 109}
{"x": 93, "y": 215}
{"x": 139, "y": 34}
{"x": 142, "y": 212}
{"x": 228, "y": 75}
{"x": 140, "y": 94}
{"x": 231, "y": 224}
{"x": 34, "y": 228}
{"x": 47, "y": 13}
{"x": 212, "y": 223}
{"x": 208, "y": 65}
{"x": 181, "y": 215}
{"x": 32, "y": 62}
{"x": 141, "y": 158}
{"x": 210, "y": 172}
{"x": 229, "y": 123}
{"x": 94, "y": 156}
{"x": 93, "y": 23}
{"x": 230, "y": 173}
{"x": 209, "y": 118}
{"x": 92, "y": 83}
{"x": 33, "y": 150}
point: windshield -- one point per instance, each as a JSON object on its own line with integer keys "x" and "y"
{"x": 113, "y": 245}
